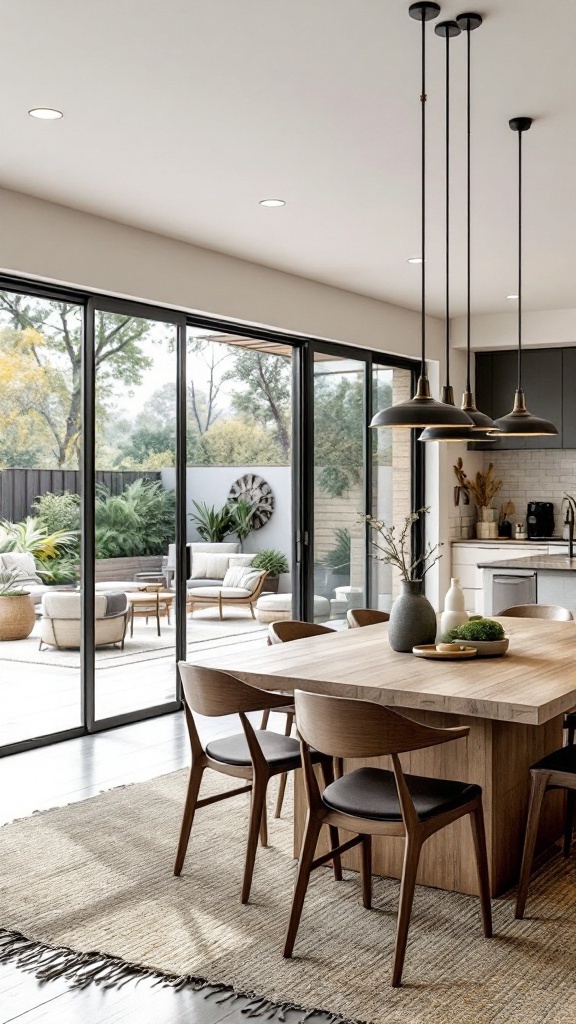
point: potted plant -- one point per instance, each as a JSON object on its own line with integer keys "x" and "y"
{"x": 486, "y": 635}
{"x": 17, "y": 615}
{"x": 213, "y": 525}
{"x": 275, "y": 563}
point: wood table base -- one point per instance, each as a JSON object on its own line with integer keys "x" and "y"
{"x": 497, "y": 756}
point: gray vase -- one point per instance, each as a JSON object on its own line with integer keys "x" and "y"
{"x": 412, "y": 619}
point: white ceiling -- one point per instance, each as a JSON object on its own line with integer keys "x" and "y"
{"x": 180, "y": 115}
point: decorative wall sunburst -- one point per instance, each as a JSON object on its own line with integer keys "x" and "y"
{"x": 258, "y": 493}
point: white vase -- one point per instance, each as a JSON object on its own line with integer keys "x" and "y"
{"x": 454, "y": 613}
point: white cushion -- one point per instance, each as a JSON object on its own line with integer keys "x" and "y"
{"x": 24, "y": 563}
{"x": 224, "y": 547}
{"x": 283, "y": 603}
{"x": 207, "y": 565}
{"x": 60, "y": 604}
{"x": 241, "y": 577}
{"x": 213, "y": 592}
{"x": 235, "y": 560}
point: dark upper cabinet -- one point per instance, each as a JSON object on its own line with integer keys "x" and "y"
{"x": 544, "y": 377}
{"x": 569, "y": 398}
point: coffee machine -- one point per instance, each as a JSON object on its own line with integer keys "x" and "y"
{"x": 540, "y": 520}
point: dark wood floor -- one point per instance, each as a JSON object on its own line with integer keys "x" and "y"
{"x": 66, "y": 772}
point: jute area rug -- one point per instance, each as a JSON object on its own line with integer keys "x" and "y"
{"x": 97, "y": 876}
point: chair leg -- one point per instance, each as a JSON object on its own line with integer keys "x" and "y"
{"x": 257, "y": 806}
{"x": 571, "y": 732}
{"x": 539, "y": 783}
{"x": 311, "y": 833}
{"x": 264, "y": 827}
{"x": 366, "y": 871}
{"x": 265, "y": 718}
{"x": 569, "y": 824}
{"x": 479, "y": 837}
{"x": 220, "y": 607}
{"x": 327, "y": 769}
{"x": 407, "y": 886}
{"x": 284, "y": 777}
{"x": 188, "y": 817}
{"x": 252, "y": 611}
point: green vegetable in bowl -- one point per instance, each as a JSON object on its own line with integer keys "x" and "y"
{"x": 476, "y": 629}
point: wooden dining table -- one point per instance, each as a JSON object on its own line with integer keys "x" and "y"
{"x": 512, "y": 704}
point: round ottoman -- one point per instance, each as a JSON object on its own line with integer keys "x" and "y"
{"x": 275, "y": 607}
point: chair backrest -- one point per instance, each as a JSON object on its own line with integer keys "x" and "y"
{"x": 346, "y": 727}
{"x": 285, "y": 630}
{"x": 60, "y": 604}
{"x": 365, "y": 617}
{"x": 539, "y": 611}
{"x": 213, "y": 693}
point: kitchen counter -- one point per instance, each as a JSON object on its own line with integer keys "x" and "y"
{"x": 538, "y": 563}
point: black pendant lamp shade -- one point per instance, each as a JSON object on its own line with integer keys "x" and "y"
{"x": 520, "y": 422}
{"x": 422, "y": 410}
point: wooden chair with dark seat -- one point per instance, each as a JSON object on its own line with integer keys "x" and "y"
{"x": 283, "y": 632}
{"x": 559, "y": 614}
{"x": 365, "y": 617}
{"x": 253, "y": 755}
{"x": 372, "y": 801}
{"x": 554, "y": 771}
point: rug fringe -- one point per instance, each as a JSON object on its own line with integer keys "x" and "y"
{"x": 49, "y": 963}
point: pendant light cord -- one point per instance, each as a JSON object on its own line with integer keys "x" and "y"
{"x": 520, "y": 261}
{"x": 468, "y": 260}
{"x": 423, "y": 184}
{"x": 447, "y": 133}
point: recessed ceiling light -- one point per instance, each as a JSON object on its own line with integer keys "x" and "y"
{"x": 272, "y": 202}
{"x": 46, "y": 113}
{"x": 511, "y": 296}
{"x": 416, "y": 259}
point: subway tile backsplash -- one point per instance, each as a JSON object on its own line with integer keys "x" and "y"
{"x": 542, "y": 475}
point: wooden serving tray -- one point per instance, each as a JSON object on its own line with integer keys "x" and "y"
{"x": 429, "y": 651}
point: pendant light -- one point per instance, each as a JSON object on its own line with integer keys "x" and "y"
{"x": 422, "y": 410}
{"x": 520, "y": 422}
{"x": 447, "y": 30}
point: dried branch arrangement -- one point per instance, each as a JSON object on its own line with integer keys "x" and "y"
{"x": 483, "y": 488}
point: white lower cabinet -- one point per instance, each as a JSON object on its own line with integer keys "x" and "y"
{"x": 466, "y": 556}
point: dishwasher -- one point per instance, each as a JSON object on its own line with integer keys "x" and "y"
{"x": 511, "y": 589}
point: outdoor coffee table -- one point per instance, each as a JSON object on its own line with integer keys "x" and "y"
{"x": 152, "y": 601}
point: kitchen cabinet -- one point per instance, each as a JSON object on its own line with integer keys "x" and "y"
{"x": 466, "y": 556}
{"x": 548, "y": 379}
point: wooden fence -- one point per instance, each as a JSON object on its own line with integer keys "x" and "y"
{"x": 20, "y": 487}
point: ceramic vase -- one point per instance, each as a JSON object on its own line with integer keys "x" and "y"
{"x": 454, "y": 613}
{"x": 412, "y": 618}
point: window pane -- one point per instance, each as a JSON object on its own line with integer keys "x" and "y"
{"x": 40, "y": 436}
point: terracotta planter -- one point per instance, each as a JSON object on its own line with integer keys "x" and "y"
{"x": 17, "y": 617}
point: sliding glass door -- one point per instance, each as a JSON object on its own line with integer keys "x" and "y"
{"x": 136, "y": 602}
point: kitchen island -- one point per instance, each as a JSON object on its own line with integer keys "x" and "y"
{"x": 555, "y": 579}
{"x": 513, "y": 706}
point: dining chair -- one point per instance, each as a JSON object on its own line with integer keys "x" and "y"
{"x": 554, "y": 771}
{"x": 539, "y": 611}
{"x": 365, "y": 617}
{"x": 559, "y": 614}
{"x": 253, "y": 755}
{"x": 282, "y": 632}
{"x": 372, "y": 801}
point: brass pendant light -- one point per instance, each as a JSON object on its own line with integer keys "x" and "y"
{"x": 422, "y": 410}
{"x": 520, "y": 422}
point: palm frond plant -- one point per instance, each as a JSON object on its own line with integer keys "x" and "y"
{"x": 213, "y": 525}
{"x": 273, "y": 561}
{"x": 10, "y": 583}
{"x": 242, "y": 516}
{"x": 32, "y": 536}
{"x": 395, "y": 548}
{"x": 338, "y": 559}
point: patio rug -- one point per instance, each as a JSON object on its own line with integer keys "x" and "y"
{"x": 98, "y": 876}
{"x": 137, "y": 648}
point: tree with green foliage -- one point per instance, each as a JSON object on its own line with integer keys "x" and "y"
{"x": 57, "y": 350}
{"x": 266, "y": 393}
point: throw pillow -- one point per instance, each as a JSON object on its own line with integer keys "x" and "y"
{"x": 24, "y": 563}
{"x": 240, "y": 560}
{"x": 247, "y": 579}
